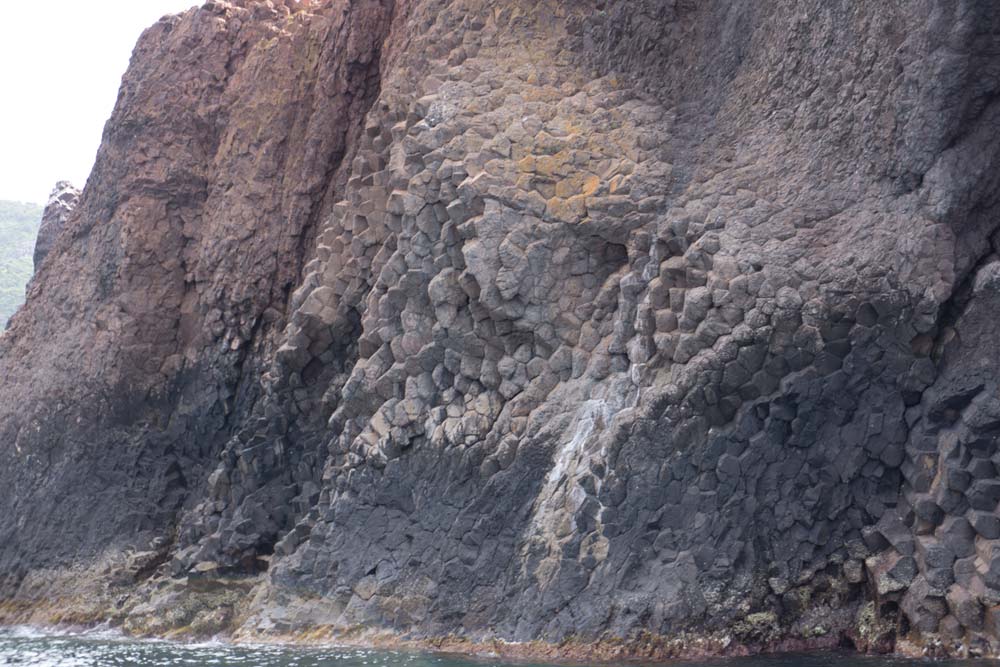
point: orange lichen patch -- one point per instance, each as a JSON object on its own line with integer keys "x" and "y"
{"x": 590, "y": 185}
{"x": 541, "y": 94}
{"x": 615, "y": 183}
{"x": 553, "y": 166}
{"x": 570, "y": 210}
{"x": 581, "y": 184}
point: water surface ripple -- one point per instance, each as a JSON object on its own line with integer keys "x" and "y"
{"x": 25, "y": 647}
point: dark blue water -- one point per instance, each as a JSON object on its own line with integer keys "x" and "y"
{"x": 27, "y": 648}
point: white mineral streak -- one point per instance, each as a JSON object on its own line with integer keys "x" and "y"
{"x": 585, "y": 442}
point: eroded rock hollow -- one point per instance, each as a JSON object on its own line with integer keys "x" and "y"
{"x": 662, "y": 321}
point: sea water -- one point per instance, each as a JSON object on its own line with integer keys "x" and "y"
{"x": 29, "y": 648}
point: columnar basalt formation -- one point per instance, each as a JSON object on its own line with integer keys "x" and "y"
{"x": 163, "y": 295}
{"x": 654, "y": 320}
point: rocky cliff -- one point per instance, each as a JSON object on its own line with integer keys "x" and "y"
{"x": 652, "y": 326}
{"x": 62, "y": 201}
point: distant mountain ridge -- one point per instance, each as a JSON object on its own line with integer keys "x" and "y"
{"x": 18, "y": 228}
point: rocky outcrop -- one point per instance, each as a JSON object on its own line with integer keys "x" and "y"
{"x": 62, "y": 201}
{"x": 661, "y": 321}
{"x": 152, "y": 317}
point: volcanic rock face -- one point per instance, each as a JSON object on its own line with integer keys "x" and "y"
{"x": 529, "y": 321}
{"x": 162, "y": 298}
{"x": 62, "y": 201}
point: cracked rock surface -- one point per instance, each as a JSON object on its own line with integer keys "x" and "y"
{"x": 62, "y": 201}
{"x": 529, "y": 321}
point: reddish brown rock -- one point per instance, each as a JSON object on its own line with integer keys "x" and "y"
{"x": 62, "y": 201}
{"x": 149, "y": 322}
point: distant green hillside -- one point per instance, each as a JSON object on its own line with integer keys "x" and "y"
{"x": 18, "y": 228}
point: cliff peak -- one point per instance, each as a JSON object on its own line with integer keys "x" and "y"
{"x": 60, "y": 205}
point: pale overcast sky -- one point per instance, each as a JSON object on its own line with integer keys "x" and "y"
{"x": 61, "y": 62}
